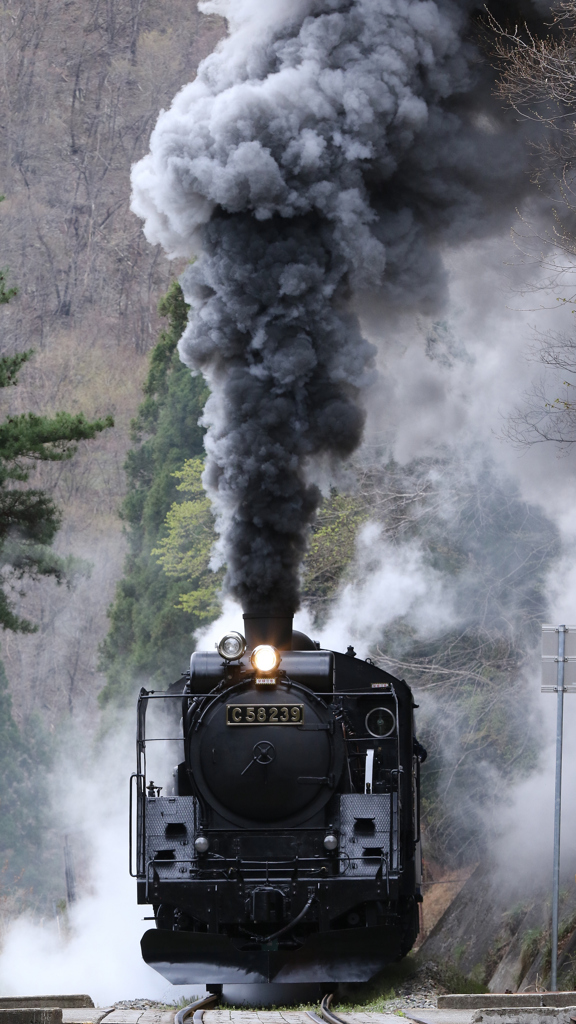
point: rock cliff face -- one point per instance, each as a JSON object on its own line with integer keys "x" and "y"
{"x": 502, "y": 940}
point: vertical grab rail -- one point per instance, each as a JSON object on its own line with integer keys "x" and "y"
{"x": 396, "y": 813}
{"x": 131, "y": 823}
{"x": 416, "y": 800}
{"x": 138, "y": 827}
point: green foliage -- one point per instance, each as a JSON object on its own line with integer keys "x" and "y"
{"x": 531, "y": 946}
{"x": 30, "y": 847}
{"x": 452, "y": 980}
{"x": 565, "y": 931}
{"x": 184, "y": 553}
{"x": 47, "y": 439}
{"x": 405, "y": 976}
{"x": 5, "y": 295}
{"x": 29, "y": 519}
{"x": 151, "y": 627}
{"x": 332, "y": 547}
{"x": 11, "y": 365}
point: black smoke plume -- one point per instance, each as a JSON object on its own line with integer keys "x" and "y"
{"x": 328, "y": 149}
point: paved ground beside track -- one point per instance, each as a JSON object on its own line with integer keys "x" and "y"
{"x": 109, "y": 1015}
{"x": 460, "y": 1010}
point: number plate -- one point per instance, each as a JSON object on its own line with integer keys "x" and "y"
{"x": 264, "y": 714}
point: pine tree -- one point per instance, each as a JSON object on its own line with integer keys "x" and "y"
{"x": 29, "y": 518}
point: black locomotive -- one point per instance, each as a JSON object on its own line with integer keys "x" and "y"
{"x": 289, "y": 847}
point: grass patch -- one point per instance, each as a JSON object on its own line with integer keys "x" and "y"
{"x": 564, "y": 931}
{"x": 531, "y": 944}
{"x": 452, "y": 980}
{"x": 375, "y": 994}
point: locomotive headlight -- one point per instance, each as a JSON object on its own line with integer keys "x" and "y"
{"x": 232, "y": 646}
{"x": 201, "y": 844}
{"x": 265, "y": 658}
{"x": 330, "y": 841}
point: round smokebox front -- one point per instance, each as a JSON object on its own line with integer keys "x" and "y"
{"x": 264, "y": 757}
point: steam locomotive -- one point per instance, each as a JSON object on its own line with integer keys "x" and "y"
{"x": 287, "y": 847}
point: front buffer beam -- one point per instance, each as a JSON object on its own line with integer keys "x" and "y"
{"x": 351, "y": 954}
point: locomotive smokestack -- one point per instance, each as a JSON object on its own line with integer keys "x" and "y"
{"x": 268, "y": 629}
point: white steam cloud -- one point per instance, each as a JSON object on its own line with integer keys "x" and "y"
{"x": 98, "y": 950}
{"x": 388, "y": 582}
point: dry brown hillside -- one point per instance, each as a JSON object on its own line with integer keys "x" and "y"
{"x": 81, "y": 85}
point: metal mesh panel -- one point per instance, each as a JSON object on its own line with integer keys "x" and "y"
{"x": 170, "y": 826}
{"x": 365, "y": 832}
{"x": 162, "y": 810}
{"x": 358, "y": 805}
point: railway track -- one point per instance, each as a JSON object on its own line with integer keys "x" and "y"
{"x": 561, "y": 1014}
{"x": 515, "y": 1008}
{"x": 194, "y": 1013}
{"x": 42, "y": 1010}
{"x": 327, "y": 1015}
{"x": 81, "y": 1010}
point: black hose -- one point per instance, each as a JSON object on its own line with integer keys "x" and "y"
{"x": 186, "y": 1011}
{"x": 291, "y": 924}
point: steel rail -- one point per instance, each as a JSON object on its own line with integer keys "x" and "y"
{"x": 196, "y": 1010}
{"x": 329, "y": 1016}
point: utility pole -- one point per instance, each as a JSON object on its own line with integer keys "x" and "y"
{"x": 69, "y": 872}
{"x": 558, "y": 676}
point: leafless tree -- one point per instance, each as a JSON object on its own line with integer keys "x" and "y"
{"x": 538, "y": 79}
{"x": 81, "y": 85}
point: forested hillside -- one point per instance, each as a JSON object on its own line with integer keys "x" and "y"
{"x": 81, "y": 87}
{"x": 150, "y": 637}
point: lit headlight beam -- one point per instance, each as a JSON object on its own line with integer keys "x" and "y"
{"x": 265, "y": 658}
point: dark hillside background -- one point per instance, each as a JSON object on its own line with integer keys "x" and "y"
{"x": 150, "y": 637}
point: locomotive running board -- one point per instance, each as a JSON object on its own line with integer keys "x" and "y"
{"x": 189, "y": 958}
